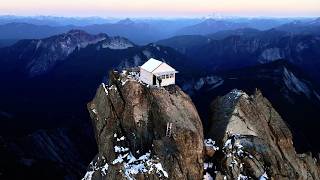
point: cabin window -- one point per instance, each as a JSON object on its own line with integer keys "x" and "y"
{"x": 167, "y": 76}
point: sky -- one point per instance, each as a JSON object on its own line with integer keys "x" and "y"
{"x": 161, "y": 8}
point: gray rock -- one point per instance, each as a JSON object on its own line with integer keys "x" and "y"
{"x": 256, "y": 141}
{"x": 129, "y": 115}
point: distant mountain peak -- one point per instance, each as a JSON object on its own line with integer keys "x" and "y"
{"x": 316, "y": 21}
{"x": 117, "y": 43}
{"x": 76, "y": 31}
{"x": 211, "y": 20}
{"x": 48, "y": 51}
{"x": 209, "y": 26}
{"x": 126, "y": 21}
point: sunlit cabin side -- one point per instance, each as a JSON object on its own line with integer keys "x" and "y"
{"x": 157, "y": 73}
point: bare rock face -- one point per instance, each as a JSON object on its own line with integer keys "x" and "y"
{"x": 145, "y": 132}
{"x": 256, "y": 143}
{"x": 155, "y": 133}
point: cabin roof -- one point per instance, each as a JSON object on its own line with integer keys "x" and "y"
{"x": 152, "y": 64}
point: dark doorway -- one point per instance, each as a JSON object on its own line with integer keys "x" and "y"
{"x": 154, "y": 82}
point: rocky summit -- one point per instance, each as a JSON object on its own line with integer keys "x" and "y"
{"x": 145, "y": 132}
{"x": 255, "y": 143}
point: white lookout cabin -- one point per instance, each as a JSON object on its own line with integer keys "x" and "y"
{"x": 157, "y": 73}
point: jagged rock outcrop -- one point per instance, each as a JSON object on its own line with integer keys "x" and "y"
{"x": 155, "y": 133}
{"x": 145, "y": 132}
{"x": 256, "y": 142}
{"x": 293, "y": 94}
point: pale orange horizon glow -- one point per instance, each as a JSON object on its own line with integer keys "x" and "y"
{"x": 161, "y": 7}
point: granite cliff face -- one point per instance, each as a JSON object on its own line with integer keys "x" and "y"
{"x": 255, "y": 142}
{"x": 145, "y": 132}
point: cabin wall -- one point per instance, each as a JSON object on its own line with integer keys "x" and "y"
{"x": 146, "y": 76}
{"x": 165, "y": 69}
{"x": 168, "y": 81}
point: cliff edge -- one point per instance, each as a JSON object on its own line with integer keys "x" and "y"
{"x": 254, "y": 141}
{"x": 145, "y": 132}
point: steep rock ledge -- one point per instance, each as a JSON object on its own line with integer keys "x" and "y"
{"x": 145, "y": 132}
{"x": 256, "y": 143}
{"x": 155, "y": 133}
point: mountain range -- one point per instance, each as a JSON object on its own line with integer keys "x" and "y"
{"x": 246, "y": 47}
{"x": 49, "y": 81}
{"x": 140, "y": 31}
{"x": 42, "y": 71}
{"x": 47, "y": 109}
{"x": 55, "y": 20}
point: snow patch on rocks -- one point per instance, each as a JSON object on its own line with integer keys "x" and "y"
{"x": 144, "y": 164}
{"x": 264, "y": 176}
{"x": 94, "y": 167}
{"x": 132, "y": 165}
{"x": 88, "y": 175}
{"x": 242, "y": 177}
{"x": 207, "y": 176}
{"x": 236, "y": 94}
{"x": 234, "y": 153}
{"x": 105, "y": 89}
{"x": 211, "y": 143}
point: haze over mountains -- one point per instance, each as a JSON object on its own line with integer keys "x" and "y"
{"x": 51, "y": 67}
{"x": 140, "y": 31}
{"x": 244, "y": 47}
